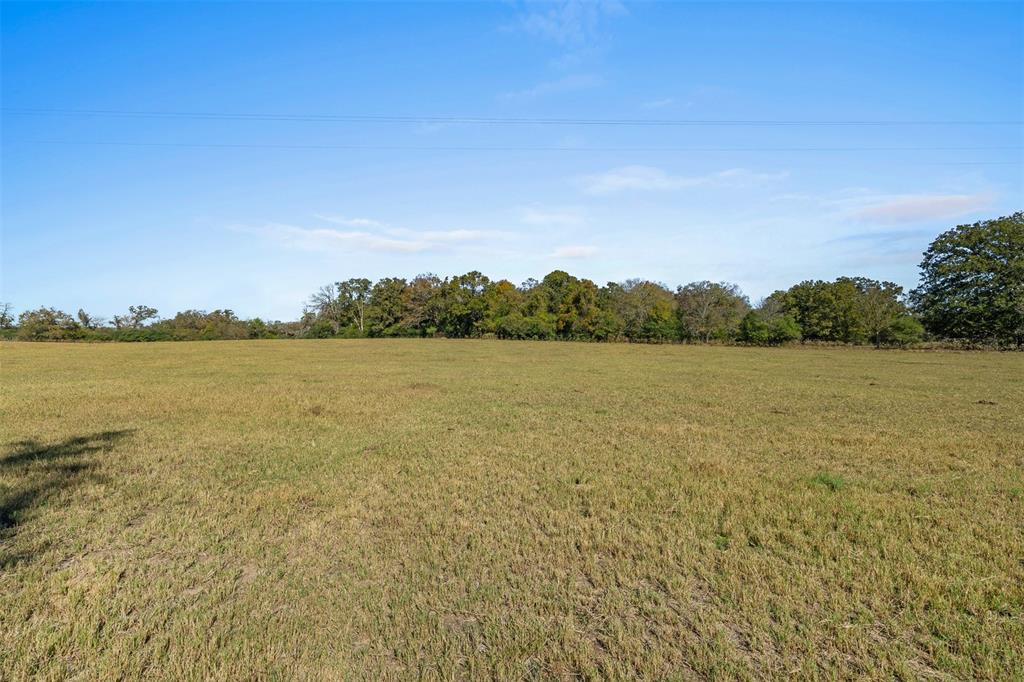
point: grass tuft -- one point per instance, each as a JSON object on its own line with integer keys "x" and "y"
{"x": 833, "y": 482}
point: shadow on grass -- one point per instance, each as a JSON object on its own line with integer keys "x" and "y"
{"x": 41, "y": 470}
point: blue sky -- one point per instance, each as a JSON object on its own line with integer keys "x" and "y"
{"x": 255, "y": 208}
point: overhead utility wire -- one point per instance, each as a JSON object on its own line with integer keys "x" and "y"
{"x": 358, "y": 118}
{"x": 468, "y": 148}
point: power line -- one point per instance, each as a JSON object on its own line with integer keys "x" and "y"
{"x": 490, "y": 148}
{"x": 487, "y": 120}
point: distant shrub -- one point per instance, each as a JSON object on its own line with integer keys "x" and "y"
{"x": 320, "y": 329}
{"x": 517, "y": 326}
{"x": 142, "y": 334}
{"x": 760, "y": 329}
{"x": 903, "y": 331}
{"x": 258, "y": 329}
{"x": 351, "y": 332}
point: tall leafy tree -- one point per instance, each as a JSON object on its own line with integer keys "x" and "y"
{"x": 387, "y": 307}
{"x": 355, "y": 297}
{"x": 342, "y": 306}
{"x": 814, "y": 306}
{"x": 711, "y": 310}
{"x": 972, "y": 282}
{"x": 647, "y": 310}
{"x": 464, "y": 305}
{"x": 423, "y": 304}
{"x": 847, "y": 323}
{"x": 571, "y": 303}
{"x": 504, "y": 309}
{"x": 879, "y": 306}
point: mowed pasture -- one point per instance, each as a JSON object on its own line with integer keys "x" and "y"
{"x": 479, "y": 509}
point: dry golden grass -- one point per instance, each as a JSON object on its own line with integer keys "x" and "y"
{"x": 461, "y": 509}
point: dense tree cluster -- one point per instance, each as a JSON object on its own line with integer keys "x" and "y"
{"x": 561, "y": 306}
{"x": 972, "y": 288}
{"x": 849, "y": 310}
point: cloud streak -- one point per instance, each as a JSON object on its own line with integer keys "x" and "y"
{"x": 385, "y": 240}
{"x": 912, "y": 208}
{"x": 351, "y": 222}
{"x": 649, "y": 178}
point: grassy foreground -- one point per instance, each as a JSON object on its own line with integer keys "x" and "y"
{"x": 456, "y": 509}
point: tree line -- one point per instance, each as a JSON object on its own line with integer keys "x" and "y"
{"x": 972, "y": 289}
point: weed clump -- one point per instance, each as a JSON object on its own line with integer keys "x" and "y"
{"x": 833, "y": 482}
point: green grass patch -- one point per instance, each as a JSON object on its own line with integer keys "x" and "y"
{"x": 833, "y": 482}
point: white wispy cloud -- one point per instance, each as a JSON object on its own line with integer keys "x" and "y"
{"x": 876, "y": 210}
{"x": 568, "y": 22}
{"x": 911, "y": 208}
{"x": 579, "y": 251}
{"x": 350, "y": 222}
{"x": 445, "y": 236}
{"x": 330, "y": 239}
{"x": 382, "y": 239}
{"x": 649, "y": 178}
{"x": 533, "y": 215}
{"x": 570, "y": 83}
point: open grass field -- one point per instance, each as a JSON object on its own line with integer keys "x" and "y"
{"x": 474, "y": 509}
